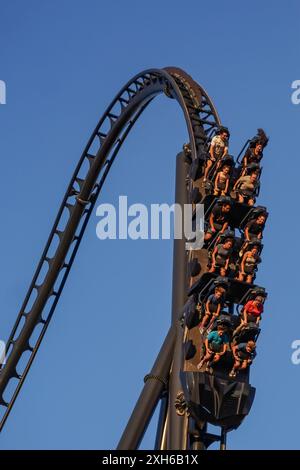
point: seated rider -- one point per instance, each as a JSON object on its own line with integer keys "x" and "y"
{"x": 221, "y": 256}
{"x": 249, "y": 262}
{"x": 213, "y": 306}
{"x": 216, "y": 346}
{"x": 246, "y": 187}
{"x": 254, "y": 228}
{"x": 218, "y": 220}
{"x": 251, "y": 312}
{"x": 222, "y": 181}
{"x": 243, "y": 354}
{"x": 254, "y": 152}
{"x": 218, "y": 148}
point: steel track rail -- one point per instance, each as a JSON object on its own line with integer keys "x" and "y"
{"x": 78, "y": 203}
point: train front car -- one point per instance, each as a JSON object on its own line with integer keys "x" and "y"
{"x": 222, "y": 314}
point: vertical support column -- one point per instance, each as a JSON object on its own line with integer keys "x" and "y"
{"x": 149, "y": 397}
{"x": 177, "y": 426}
{"x": 162, "y": 420}
{"x": 196, "y": 435}
{"x": 223, "y": 439}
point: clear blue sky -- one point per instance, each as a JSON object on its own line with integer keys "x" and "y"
{"x": 63, "y": 61}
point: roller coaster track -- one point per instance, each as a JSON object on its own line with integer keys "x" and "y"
{"x": 78, "y": 203}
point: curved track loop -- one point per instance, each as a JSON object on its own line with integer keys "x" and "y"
{"x": 76, "y": 208}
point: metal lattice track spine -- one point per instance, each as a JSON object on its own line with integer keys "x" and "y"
{"x": 76, "y": 208}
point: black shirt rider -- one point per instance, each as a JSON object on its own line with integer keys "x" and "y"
{"x": 220, "y": 217}
{"x": 251, "y": 157}
{"x": 254, "y": 228}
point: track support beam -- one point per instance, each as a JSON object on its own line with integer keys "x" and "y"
{"x": 155, "y": 384}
